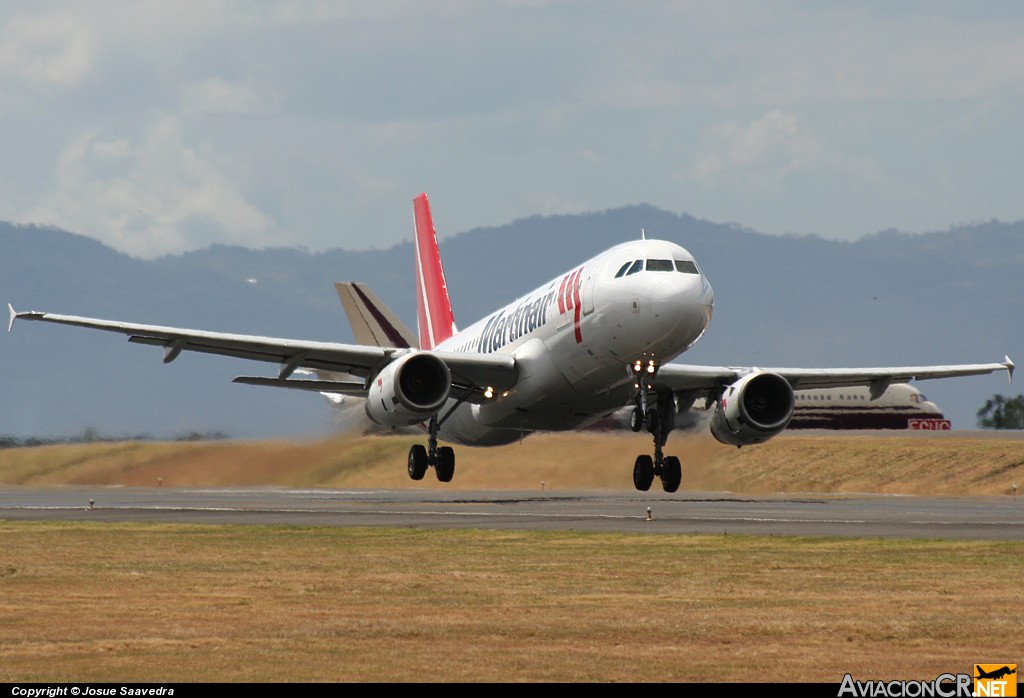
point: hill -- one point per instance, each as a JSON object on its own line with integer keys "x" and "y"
{"x": 887, "y": 299}
{"x": 925, "y": 464}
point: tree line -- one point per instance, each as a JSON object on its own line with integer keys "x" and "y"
{"x": 1000, "y": 412}
{"x": 92, "y": 436}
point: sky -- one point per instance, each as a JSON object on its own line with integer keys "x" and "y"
{"x": 161, "y": 127}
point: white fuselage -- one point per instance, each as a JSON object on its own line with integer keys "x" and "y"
{"x": 901, "y": 406}
{"x": 574, "y": 338}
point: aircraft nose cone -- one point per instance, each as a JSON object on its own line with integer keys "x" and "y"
{"x": 669, "y": 313}
{"x": 681, "y": 294}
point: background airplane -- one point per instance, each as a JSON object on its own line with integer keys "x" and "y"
{"x": 563, "y": 356}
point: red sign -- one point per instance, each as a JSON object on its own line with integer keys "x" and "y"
{"x": 930, "y": 424}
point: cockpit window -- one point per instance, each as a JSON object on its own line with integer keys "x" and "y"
{"x": 681, "y": 265}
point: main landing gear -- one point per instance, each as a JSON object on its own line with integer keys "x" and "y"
{"x": 659, "y": 419}
{"x": 441, "y": 458}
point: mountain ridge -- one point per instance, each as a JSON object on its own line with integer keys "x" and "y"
{"x": 890, "y": 298}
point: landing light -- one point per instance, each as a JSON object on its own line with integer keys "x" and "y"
{"x": 488, "y": 392}
{"x": 637, "y": 366}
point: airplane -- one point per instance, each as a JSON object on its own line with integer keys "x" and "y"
{"x": 901, "y": 406}
{"x": 994, "y": 674}
{"x": 592, "y": 340}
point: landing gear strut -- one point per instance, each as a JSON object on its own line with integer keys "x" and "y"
{"x": 659, "y": 419}
{"x": 441, "y": 458}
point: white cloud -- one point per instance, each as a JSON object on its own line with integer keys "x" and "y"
{"x": 149, "y": 199}
{"x": 219, "y": 96}
{"x": 760, "y": 154}
{"x": 634, "y": 84}
{"x": 47, "y": 50}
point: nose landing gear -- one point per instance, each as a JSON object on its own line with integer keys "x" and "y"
{"x": 659, "y": 419}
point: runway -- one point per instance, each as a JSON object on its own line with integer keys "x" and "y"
{"x": 873, "y": 516}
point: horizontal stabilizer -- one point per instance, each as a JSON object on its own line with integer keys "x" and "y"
{"x": 341, "y": 388}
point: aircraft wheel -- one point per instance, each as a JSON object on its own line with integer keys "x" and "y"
{"x": 671, "y": 474}
{"x": 445, "y": 468}
{"x": 652, "y": 420}
{"x": 636, "y": 419}
{"x": 417, "y": 462}
{"x": 643, "y": 472}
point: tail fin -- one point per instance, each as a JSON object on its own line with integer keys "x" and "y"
{"x": 372, "y": 322}
{"x": 434, "y": 310}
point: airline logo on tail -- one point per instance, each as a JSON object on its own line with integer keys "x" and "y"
{"x": 435, "y": 320}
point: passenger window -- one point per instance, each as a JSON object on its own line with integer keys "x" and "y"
{"x": 637, "y": 266}
{"x": 686, "y": 266}
{"x": 622, "y": 270}
{"x": 659, "y": 265}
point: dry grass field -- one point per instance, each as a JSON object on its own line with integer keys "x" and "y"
{"x": 144, "y": 602}
{"x": 947, "y": 464}
{"x": 141, "y": 602}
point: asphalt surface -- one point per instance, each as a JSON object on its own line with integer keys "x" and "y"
{"x": 966, "y": 518}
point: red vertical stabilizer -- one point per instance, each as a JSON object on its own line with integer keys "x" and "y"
{"x": 435, "y": 320}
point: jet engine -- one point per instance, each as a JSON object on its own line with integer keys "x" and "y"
{"x": 753, "y": 409}
{"x": 409, "y": 390}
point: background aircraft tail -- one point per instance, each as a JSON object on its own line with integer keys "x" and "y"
{"x": 435, "y": 320}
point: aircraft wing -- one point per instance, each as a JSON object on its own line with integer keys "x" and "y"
{"x": 468, "y": 370}
{"x": 683, "y": 378}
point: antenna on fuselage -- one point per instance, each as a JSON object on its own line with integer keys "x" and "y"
{"x": 643, "y": 234}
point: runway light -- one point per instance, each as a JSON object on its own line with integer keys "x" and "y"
{"x": 650, "y": 517}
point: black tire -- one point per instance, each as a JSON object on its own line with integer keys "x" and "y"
{"x": 636, "y": 419}
{"x": 652, "y": 420}
{"x": 643, "y": 473}
{"x": 671, "y": 474}
{"x": 445, "y": 468}
{"x": 417, "y": 462}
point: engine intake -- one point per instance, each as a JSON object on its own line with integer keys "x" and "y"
{"x": 753, "y": 409}
{"x": 409, "y": 390}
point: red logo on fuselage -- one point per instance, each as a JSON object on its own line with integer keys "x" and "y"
{"x": 569, "y": 299}
{"x": 929, "y": 424}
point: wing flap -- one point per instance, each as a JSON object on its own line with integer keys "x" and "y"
{"x": 317, "y": 386}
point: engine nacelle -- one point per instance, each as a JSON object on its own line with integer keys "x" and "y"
{"x": 409, "y": 390}
{"x": 753, "y": 409}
